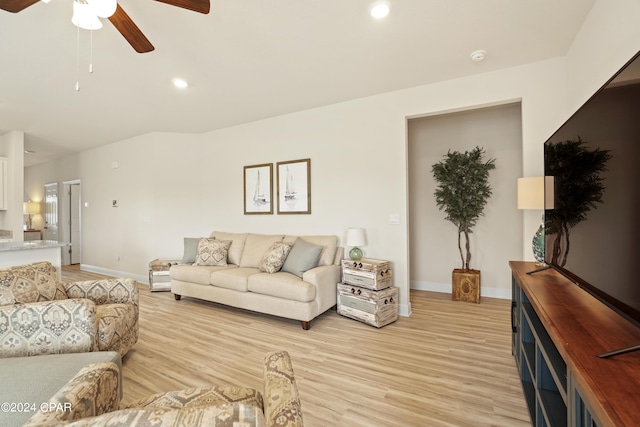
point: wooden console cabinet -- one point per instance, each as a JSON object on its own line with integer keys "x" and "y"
{"x": 558, "y": 331}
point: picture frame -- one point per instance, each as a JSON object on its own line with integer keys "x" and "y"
{"x": 258, "y": 189}
{"x": 294, "y": 186}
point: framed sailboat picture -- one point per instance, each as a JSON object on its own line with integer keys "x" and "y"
{"x": 294, "y": 186}
{"x": 258, "y": 189}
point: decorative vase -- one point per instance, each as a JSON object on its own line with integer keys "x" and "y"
{"x": 355, "y": 254}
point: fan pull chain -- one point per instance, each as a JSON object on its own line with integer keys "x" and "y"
{"x": 91, "y": 54}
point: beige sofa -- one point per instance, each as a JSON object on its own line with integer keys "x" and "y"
{"x": 40, "y": 315}
{"x": 292, "y": 292}
{"x": 92, "y": 398}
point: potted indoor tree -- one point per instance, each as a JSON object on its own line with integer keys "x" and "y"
{"x": 462, "y": 193}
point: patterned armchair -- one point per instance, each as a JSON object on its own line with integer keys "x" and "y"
{"x": 40, "y": 315}
{"x": 87, "y": 401}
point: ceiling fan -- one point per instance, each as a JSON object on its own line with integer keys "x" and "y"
{"x": 119, "y": 18}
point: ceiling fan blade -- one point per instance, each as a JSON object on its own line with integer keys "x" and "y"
{"x": 130, "y": 31}
{"x": 201, "y": 6}
{"x": 15, "y": 6}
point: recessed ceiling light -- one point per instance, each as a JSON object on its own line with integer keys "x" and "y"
{"x": 478, "y": 55}
{"x": 379, "y": 9}
{"x": 180, "y": 83}
{"x": 29, "y": 152}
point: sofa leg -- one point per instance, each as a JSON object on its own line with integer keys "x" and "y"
{"x": 306, "y": 324}
{"x": 177, "y": 297}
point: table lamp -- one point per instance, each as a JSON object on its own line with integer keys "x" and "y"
{"x": 30, "y": 208}
{"x": 536, "y": 193}
{"x": 355, "y": 238}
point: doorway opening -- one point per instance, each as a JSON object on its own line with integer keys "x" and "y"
{"x": 71, "y": 224}
{"x": 50, "y": 231}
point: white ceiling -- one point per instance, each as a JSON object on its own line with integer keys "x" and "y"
{"x": 249, "y": 60}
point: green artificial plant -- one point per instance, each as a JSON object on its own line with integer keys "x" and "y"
{"x": 579, "y": 188}
{"x": 462, "y": 192}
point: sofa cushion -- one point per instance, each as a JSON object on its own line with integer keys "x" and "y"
{"x": 6, "y": 296}
{"x": 33, "y": 282}
{"x": 302, "y": 257}
{"x": 212, "y": 252}
{"x": 273, "y": 260}
{"x": 200, "y": 274}
{"x": 282, "y": 285}
{"x": 47, "y": 327}
{"x": 329, "y": 246}
{"x": 235, "y": 279}
{"x": 256, "y": 246}
{"x": 190, "y": 250}
{"x": 237, "y": 244}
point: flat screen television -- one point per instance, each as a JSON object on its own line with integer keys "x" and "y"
{"x": 595, "y": 158}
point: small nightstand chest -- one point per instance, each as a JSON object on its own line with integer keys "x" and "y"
{"x": 367, "y": 293}
{"x": 159, "y": 279}
{"x": 369, "y": 273}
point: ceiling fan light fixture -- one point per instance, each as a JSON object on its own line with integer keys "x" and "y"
{"x": 103, "y": 8}
{"x": 84, "y": 16}
{"x": 380, "y": 9}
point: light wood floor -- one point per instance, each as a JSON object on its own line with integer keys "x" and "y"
{"x": 449, "y": 364}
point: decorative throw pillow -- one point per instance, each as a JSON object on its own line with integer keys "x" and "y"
{"x": 6, "y": 296}
{"x": 212, "y": 252}
{"x": 273, "y": 260}
{"x": 190, "y": 250}
{"x": 302, "y": 257}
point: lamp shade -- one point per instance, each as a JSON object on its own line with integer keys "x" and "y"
{"x": 31, "y": 208}
{"x": 535, "y": 192}
{"x": 356, "y": 237}
{"x": 84, "y": 16}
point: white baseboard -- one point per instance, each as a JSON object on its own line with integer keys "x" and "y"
{"x": 114, "y": 273}
{"x": 404, "y": 310}
{"x": 445, "y": 288}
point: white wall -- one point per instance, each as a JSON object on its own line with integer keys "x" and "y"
{"x": 609, "y": 37}
{"x": 174, "y": 185}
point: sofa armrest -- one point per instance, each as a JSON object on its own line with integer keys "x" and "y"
{"x": 281, "y": 400}
{"x": 323, "y": 275}
{"x": 95, "y": 390}
{"x": 105, "y": 291}
{"x": 325, "y": 279}
{"x": 48, "y": 327}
